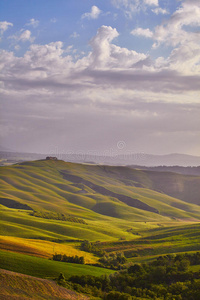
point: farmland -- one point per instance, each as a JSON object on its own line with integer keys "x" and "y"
{"x": 49, "y": 207}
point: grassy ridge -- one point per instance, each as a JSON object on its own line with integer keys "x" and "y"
{"x": 21, "y": 224}
{"x": 41, "y": 185}
{"x": 44, "y": 249}
{"x": 160, "y": 241}
{"x": 44, "y": 268}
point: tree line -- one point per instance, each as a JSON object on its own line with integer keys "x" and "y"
{"x": 166, "y": 278}
{"x": 70, "y": 259}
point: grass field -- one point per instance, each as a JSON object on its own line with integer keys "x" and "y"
{"x": 160, "y": 241}
{"x": 44, "y": 268}
{"x": 42, "y": 185}
{"x": 44, "y": 249}
{"x": 141, "y": 213}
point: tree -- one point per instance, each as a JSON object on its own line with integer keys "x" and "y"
{"x": 61, "y": 279}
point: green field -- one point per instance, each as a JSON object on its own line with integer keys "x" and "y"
{"x": 140, "y": 213}
{"x": 44, "y": 268}
{"x": 114, "y": 202}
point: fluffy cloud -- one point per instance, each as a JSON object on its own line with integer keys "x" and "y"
{"x": 4, "y": 26}
{"x": 151, "y": 2}
{"x": 107, "y": 55}
{"x": 101, "y": 45}
{"x": 159, "y": 10}
{"x": 26, "y": 36}
{"x": 142, "y": 32}
{"x": 94, "y": 14}
{"x": 23, "y": 36}
{"x": 34, "y": 23}
{"x": 180, "y": 32}
{"x": 112, "y": 94}
{"x": 173, "y": 32}
{"x": 132, "y": 6}
{"x": 47, "y": 67}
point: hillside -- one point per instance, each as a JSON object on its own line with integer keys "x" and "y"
{"x": 174, "y": 169}
{"x": 17, "y": 286}
{"x": 50, "y": 206}
{"x": 98, "y": 202}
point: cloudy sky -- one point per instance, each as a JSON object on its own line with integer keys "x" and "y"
{"x": 100, "y": 76}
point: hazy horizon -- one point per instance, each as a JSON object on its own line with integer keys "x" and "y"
{"x": 115, "y": 77}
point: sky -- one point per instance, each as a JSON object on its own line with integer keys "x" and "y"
{"x": 100, "y": 76}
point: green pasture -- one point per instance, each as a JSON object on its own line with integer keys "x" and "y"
{"x": 44, "y": 268}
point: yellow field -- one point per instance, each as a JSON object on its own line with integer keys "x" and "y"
{"x": 41, "y": 248}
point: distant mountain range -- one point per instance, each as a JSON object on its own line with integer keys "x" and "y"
{"x": 135, "y": 159}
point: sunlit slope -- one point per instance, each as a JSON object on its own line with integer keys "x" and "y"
{"x": 19, "y": 286}
{"x": 21, "y": 224}
{"x": 158, "y": 241}
{"x": 94, "y": 193}
{"x": 43, "y": 268}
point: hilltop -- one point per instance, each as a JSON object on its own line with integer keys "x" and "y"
{"x": 117, "y": 159}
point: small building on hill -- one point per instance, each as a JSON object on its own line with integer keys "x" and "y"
{"x": 51, "y": 158}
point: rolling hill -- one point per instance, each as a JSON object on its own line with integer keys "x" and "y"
{"x": 102, "y": 201}
{"x": 51, "y": 206}
{"x": 87, "y": 190}
{"x": 141, "y": 159}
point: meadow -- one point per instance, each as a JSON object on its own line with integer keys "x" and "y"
{"x": 49, "y": 207}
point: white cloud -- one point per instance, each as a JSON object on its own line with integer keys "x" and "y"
{"x": 172, "y": 31}
{"x": 106, "y": 55}
{"x": 32, "y": 22}
{"x": 142, "y": 32}
{"x": 130, "y": 7}
{"x": 4, "y": 26}
{"x": 106, "y": 65}
{"x": 112, "y": 92}
{"x": 160, "y": 10}
{"x": 94, "y": 14}
{"x": 151, "y": 2}
{"x": 101, "y": 45}
{"x": 23, "y": 36}
{"x": 26, "y": 36}
{"x": 74, "y": 35}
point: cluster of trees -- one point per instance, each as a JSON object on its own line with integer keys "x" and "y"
{"x": 178, "y": 260}
{"x": 113, "y": 261}
{"x": 92, "y": 248}
{"x": 70, "y": 259}
{"x": 167, "y": 278}
{"x": 56, "y": 216}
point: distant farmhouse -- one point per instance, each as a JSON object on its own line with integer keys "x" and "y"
{"x": 51, "y": 158}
